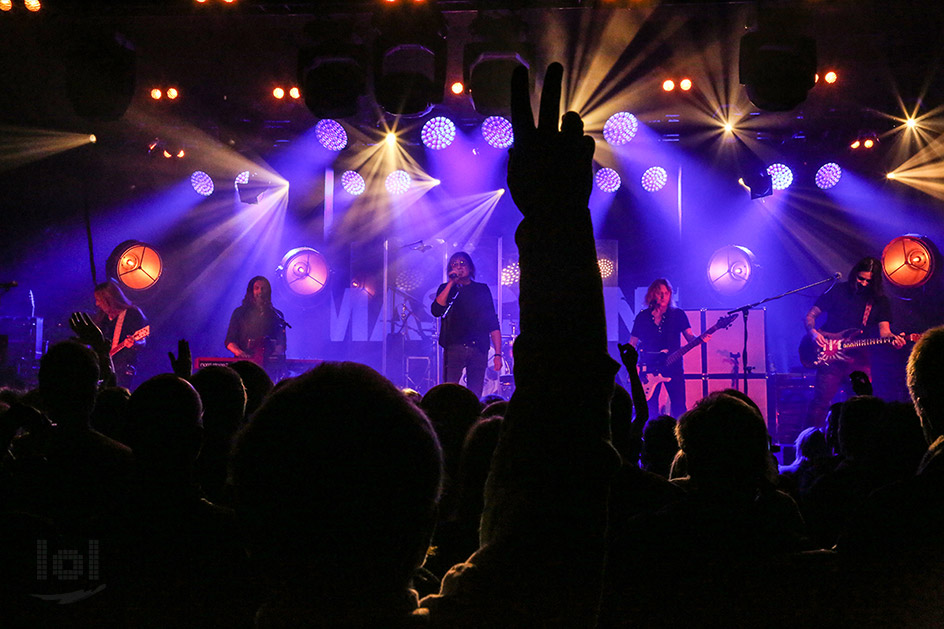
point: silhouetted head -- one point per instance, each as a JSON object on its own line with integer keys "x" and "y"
{"x": 68, "y": 383}
{"x": 164, "y": 425}
{"x": 337, "y": 478}
{"x": 866, "y": 277}
{"x": 452, "y": 409}
{"x": 108, "y": 416}
{"x": 659, "y": 444}
{"x": 925, "y": 375}
{"x": 811, "y": 444}
{"x": 725, "y": 442}
{"x": 258, "y": 383}
{"x": 857, "y": 426}
{"x": 224, "y": 399}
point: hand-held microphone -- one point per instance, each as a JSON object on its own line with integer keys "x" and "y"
{"x": 453, "y": 275}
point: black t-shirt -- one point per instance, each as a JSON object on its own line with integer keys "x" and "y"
{"x": 844, "y": 309}
{"x": 250, "y": 326}
{"x": 665, "y": 336}
{"x": 470, "y": 317}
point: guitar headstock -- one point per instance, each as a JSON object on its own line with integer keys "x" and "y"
{"x": 726, "y": 321}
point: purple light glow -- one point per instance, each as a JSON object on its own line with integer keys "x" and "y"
{"x": 654, "y": 179}
{"x": 398, "y": 182}
{"x": 607, "y": 180}
{"x": 202, "y": 183}
{"x": 438, "y": 133}
{"x": 353, "y": 183}
{"x": 331, "y": 134}
{"x": 780, "y": 175}
{"x": 828, "y": 175}
{"x": 620, "y": 128}
{"x": 242, "y": 177}
{"x": 497, "y": 132}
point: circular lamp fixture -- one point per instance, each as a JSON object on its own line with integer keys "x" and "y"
{"x": 304, "y": 271}
{"x": 730, "y": 269}
{"x": 135, "y": 265}
{"x": 908, "y": 261}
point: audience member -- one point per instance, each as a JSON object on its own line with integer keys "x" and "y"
{"x": 224, "y": 410}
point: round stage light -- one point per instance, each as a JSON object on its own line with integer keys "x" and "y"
{"x": 607, "y": 180}
{"x": 156, "y": 94}
{"x": 828, "y": 175}
{"x": 831, "y": 77}
{"x": 408, "y": 280}
{"x": 6, "y": 5}
{"x": 457, "y": 88}
{"x": 135, "y": 265}
{"x": 780, "y": 176}
{"x": 398, "y": 182}
{"x": 279, "y": 93}
{"x": 654, "y": 179}
{"x": 353, "y": 183}
{"x": 438, "y": 133}
{"x": 304, "y": 271}
{"x": 241, "y": 178}
{"x": 620, "y": 128}
{"x": 331, "y": 134}
{"x": 497, "y": 132}
{"x": 730, "y": 269}
{"x": 172, "y": 93}
{"x": 295, "y": 93}
{"x": 909, "y": 261}
{"x": 606, "y": 267}
{"x": 668, "y": 85}
{"x": 511, "y": 274}
{"x": 685, "y": 85}
{"x": 202, "y": 183}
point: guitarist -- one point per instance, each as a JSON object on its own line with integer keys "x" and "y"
{"x": 257, "y": 329}
{"x": 859, "y": 303}
{"x": 118, "y": 319}
{"x": 656, "y": 330}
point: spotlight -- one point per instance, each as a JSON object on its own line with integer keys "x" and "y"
{"x": 201, "y": 182}
{"x": 353, "y": 183}
{"x": 278, "y": 93}
{"x": 6, "y": 5}
{"x": 909, "y": 261}
{"x": 295, "y": 93}
{"x": 398, "y": 182}
{"x": 457, "y": 88}
{"x": 331, "y": 134}
{"x": 32, "y": 5}
{"x": 136, "y": 265}
{"x": 855, "y": 144}
{"x": 620, "y": 128}
{"x": 304, "y": 271}
{"x": 511, "y": 274}
{"x": 172, "y": 93}
{"x": 607, "y": 180}
{"x": 410, "y": 58}
{"x": 911, "y": 123}
{"x": 606, "y": 267}
{"x": 668, "y": 85}
{"x": 156, "y": 94}
{"x": 777, "y": 67}
{"x": 685, "y": 85}
{"x": 730, "y": 269}
{"x": 333, "y": 76}
{"x": 497, "y": 132}
{"x": 728, "y": 127}
{"x": 828, "y": 175}
{"x": 252, "y": 188}
{"x": 831, "y": 77}
{"x": 780, "y": 176}
{"x": 654, "y": 179}
{"x": 438, "y": 133}
{"x": 391, "y": 138}
{"x": 408, "y": 280}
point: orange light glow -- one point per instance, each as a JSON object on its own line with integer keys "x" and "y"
{"x": 868, "y": 144}
{"x": 180, "y": 154}
{"x": 6, "y": 5}
{"x": 278, "y": 93}
{"x": 831, "y": 77}
{"x": 668, "y": 85}
{"x": 457, "y": 88}
{"x": 172, "y": 93}
{"x": 855, "y": 145}
{"x": 167, "y": 154}
{"x": 685, "y": 84}
{"x": 32, "y": 5}
{"x": 295, "y": 93}
{"x": 156, "y": 94}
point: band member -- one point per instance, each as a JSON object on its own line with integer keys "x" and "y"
{"x": 257, "y": 329}
{"x": 858, "y": 303}
{"x": 469, "y": 322}
{"x": 656, "y": 331}
{"x": 119, "y": 319}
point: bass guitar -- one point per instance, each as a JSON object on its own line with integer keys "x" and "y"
{"x": 652, "y": 364}
{"x": 130, "y": 340}
{"x": 838, "y": 346}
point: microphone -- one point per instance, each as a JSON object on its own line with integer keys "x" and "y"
{"x": 452, "y": 276}
{"x": 837, "y": 275}
{"x": 8, "y": 285}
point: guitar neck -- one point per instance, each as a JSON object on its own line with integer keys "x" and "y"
{"x": 695, "y": 342}
{"x": 867, "y": 342}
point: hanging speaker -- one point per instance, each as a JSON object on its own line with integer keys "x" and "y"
{"x": 304, "y": 271}
{"x": 908, "y": 261}
{"x": 730, "y": 269}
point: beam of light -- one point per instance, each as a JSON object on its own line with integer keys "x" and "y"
{"x": 21, "y": 145}
{"x": 924, "y": 170}
{"x": 465, "y": 217}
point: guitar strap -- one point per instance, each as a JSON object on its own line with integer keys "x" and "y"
{"x": 116, "y": 337}
{"x": 865, "y": 315}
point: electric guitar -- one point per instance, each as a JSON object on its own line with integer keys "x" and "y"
{"x": 652, "y": 364}
{"x": 130, "y": 340}
{"x": 838, "y": 345}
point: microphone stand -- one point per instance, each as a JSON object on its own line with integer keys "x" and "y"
{"x": 745, "y": 310}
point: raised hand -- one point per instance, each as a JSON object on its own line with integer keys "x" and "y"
{"x": 629, "y": 356}
{"x": 547, "y": 166}
{"x": 182, "y": 364}
{"x": 87, "y": 332}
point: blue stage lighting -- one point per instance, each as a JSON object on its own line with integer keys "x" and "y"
{"x": 438, "y": 133}
{"x": 607, "y": 180}
{"x": 497, "y": 132}
{"x": 620, "y": 128}
{"x": 780, "y": 175}
{"x": 202, "y": 183}
{"x": 828, "y": 175}
{"x": 654, "y": 179}
{"x": 353, "y": 183}
{"x": 398, "y": 182}
{"x": 331, "y": 134}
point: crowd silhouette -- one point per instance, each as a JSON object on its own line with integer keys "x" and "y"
{"x": 335, "y": 499}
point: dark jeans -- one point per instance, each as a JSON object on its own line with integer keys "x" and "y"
{"x": 468, "y": 357}
{"x": 829, "y": 379}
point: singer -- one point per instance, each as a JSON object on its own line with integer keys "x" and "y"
{"x": 655, "y": 334}
{"x": 257, "y": 330}
{"x": 857, "y": 303}
{"x": 469, "y": 322}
